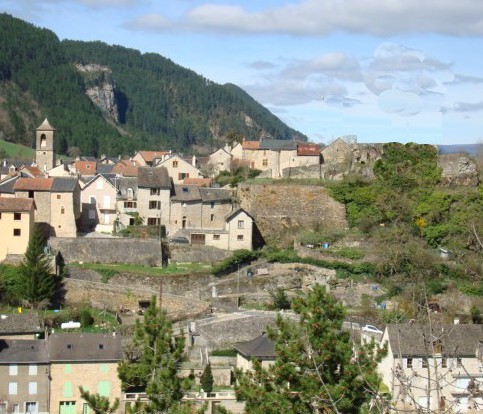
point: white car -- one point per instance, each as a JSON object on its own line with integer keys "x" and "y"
{"x": 372, "y": 329}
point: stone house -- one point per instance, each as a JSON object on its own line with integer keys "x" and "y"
{"x": 98, "y": 203}
{"x": 24, "y": 376}
{"x": 153, "y": 195}
{"x": 260, "y": 348}
{"x": 57, "y": 200}
{"x": 239, "y": 225}
{"x": 220, "y": 160}
{"x": 338, "y": 152}
{"x": 89, "y": 360}
{"x": 16, "y": 225}
{"x": 179, "y": 169}
{"x": 437, "y": 368}
{"x": 126, "y": 204}
{"x": 25, "y": 325}
{"x": 149, "y": 158}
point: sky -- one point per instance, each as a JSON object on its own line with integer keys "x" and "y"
{"x": 380, "y": 70}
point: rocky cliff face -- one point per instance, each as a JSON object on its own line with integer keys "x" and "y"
{"x": 457, "y": 169}
{"x": 100, "y": 88}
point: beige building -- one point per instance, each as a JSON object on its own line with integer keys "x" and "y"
{"x": 149, "y": 158}
{"x": 179, "y": 169}
{"x": 438, "y": 369}
{"x": 57, "y": 200}
{"x": 24, "y": 376}
{"x": 260, "y": 348}
{"x": 153, "y": 195}
{"x": 220, "y": 160}
{"x": 87, "y": 360}
{"x": 98, "y": 203}
{"x": 16, "y": 225}
{"x": 338, "y": 152}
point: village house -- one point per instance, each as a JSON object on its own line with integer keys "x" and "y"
{"x": 153, "y": 195}
{"x": 179, "y": 169}
{"x": 57, "y": 200}
{"x": 260, "y": 348}
{"x": 24, "y": 376}
{"x": 220, "y": 160}
{"x": 149, "y": 158}
{"x": 16, "y": 225}
{"x": 126, "y": 204}
{"x": 89, "y": 360}
{"x": 431, "y": 369}
{"x": 24, "y": 325}
{"x": 98, "y": 203}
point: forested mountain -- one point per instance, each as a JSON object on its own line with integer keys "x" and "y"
{"x": 152, "y": 103}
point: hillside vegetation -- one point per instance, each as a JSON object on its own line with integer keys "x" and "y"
{"x": 159, "y": 103}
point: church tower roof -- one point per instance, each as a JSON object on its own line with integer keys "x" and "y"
{"x": 45, "y": 126}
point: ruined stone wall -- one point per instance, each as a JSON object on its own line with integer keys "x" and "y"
{"x": 282, "y": 210}
{"x": 457, "y": 170}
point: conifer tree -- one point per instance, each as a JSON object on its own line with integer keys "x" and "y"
{"x": 153, "y": 361}
{"x": 206, "y": 379}
{"x": 37, "y": 283}
{"x": 318, "y": 369}
{"x": 97, "y": 403}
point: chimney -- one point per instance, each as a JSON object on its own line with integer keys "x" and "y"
{"x": 193, "y": 162}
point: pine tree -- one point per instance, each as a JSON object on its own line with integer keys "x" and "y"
{"x": 318, "y": 369}
{"x": 98, "y": 403}
{"x": 206, "y": 379}
{"x": 152, "y": 361}
{"x": 37, "y": 283}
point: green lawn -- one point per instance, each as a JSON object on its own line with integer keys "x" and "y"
{"x": 16, "y": 151}
{"x": 172, "y": 269}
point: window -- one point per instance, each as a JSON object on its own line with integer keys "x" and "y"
{"x": 264, "y": 162}
{"x": 12, "y": 388}
{"x": 58, "y": 196}
{"x": 13, "y": 370}
{"x": 153, "y": 221}
{"x": 130, "y": 193}
{"x": 62, "y": 210}
{"x": 239, "y": 237}
{"x": 212, "y": 217}
{"x": 31, "y": 194}
{"x": 17, "y": 216}
{"x": 15, "y": 408}
{"x": 67, "y": 407}
{"x": 92, "y": 200}
{"x": 43, "y": 141}
{"x": 154, "y": 205}
{"x": 101, "y": 346}
{"x": 182, "y": 176}
{"x": 31, "y": 407}
{"x": 17, "y": 232}
{"x": 131, "y": 221}
{"x": 175, "y": 164}
{"x": 241, "y": 224}
{"x": 212, "y": 204}
{"x": 444, "y": 362}
{"x": 409, "y": 363}
{"x": 32, "y": 369}
{"x": 130, "y": 204}
{"x": 68, "y": 389}
{"x": 424, "y": 363}
{"x": 216, "y": 237}
{"x": 154, "y": 191}
{"x": 68, "y": 368}
{"x": 32, "y": 388}
{"x": 104, "y": 388}
{"x": 459, "y": 362}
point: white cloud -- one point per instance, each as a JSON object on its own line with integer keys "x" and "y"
{"x": 320, "y": 17}
{"x": 149, "y": 23}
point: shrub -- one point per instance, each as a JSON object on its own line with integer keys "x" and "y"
{"x": 230, "y": 264}
{"x": 86, "y": 318}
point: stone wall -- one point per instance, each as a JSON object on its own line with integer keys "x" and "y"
{"x": 124, "y": 250}
{"x": 281, "y": 210}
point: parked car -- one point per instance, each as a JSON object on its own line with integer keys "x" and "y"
{"x": 179, "y": 239}
{"x": 371, "y": 329}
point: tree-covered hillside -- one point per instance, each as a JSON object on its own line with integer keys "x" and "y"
{"x": 160, "y": 104}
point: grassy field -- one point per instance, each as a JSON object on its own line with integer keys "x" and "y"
{"x": 18, "y": 152}
{"x": 172, "y": 269}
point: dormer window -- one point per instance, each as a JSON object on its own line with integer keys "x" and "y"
{"x": 175, "y": 164}
{"x": 101, "y": 346}
{"x": 70, "y": 346}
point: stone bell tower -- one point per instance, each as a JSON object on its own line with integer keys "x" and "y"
{"x": 44, "y": 156}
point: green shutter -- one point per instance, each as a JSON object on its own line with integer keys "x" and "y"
{"x": 104, "y": 388}
{"x": 68, "y": 368}
{"x": 104, "y": 368}
{"x": 68, "y": 389}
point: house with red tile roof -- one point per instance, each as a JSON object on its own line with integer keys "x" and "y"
{"x": 150, "y": 158}
{"x": 16, "y": 225}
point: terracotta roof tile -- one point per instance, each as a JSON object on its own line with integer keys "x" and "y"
{"x": 149, "y": 156}
{"x": 201, "y": 182}
{"x": 34, "y": 184}
{"x": 16, "y": 204}
{"x": 86, "y": 167}
{"x": 34, "y": 171}
{"x": 253, "y": 145}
